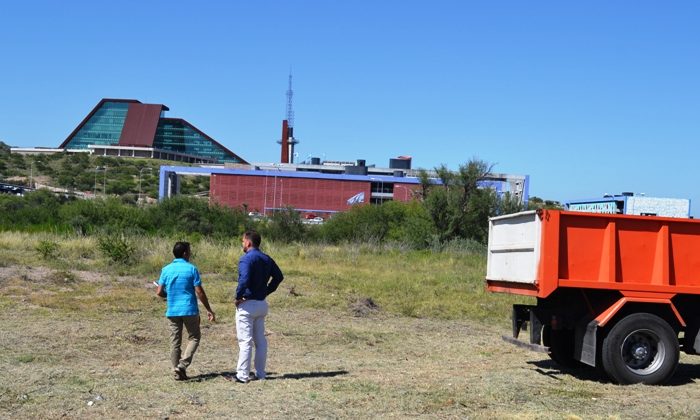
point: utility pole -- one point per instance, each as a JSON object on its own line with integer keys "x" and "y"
{"x": 140, "y": 172}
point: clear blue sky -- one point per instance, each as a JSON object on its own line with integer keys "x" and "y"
{"x": 586, "y": 97}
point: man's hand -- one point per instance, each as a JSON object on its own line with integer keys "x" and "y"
{"x": 238, "y": 301}
{"x": 212, "y": 316}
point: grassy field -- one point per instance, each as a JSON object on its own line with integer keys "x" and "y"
{"x": 354, "y": 332}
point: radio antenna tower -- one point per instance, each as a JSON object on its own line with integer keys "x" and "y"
{"x": 290, "y": 110}
{"x": 288, "y": 141}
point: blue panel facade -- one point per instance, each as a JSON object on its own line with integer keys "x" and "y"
{"x": 104, "y": 127}
{"x": 178, "y": 136}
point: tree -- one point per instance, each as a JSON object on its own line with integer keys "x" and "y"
{"x": 286, "y": 225}
{"x": 535, "y": 203}
{"x": 461, "y": 208}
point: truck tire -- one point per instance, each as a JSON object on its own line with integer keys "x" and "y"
{"x": 640, "y": 348}
{"x": 561, "y": 346}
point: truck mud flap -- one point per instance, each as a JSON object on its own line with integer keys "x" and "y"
{"x": 587, "y": 351}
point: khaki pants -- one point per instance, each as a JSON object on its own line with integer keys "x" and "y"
{"x": 191, "y": 324}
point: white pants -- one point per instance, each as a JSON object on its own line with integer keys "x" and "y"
{"x": 250, "y": 329}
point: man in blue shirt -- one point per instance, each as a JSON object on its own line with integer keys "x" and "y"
{"x": 180, "y": 284}
{"x": 258, "y": 276}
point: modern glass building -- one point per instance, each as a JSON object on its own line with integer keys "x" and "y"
{"x": 127, "y": 127}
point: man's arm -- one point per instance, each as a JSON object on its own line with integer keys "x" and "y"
{"x": 199, "y": 290}
{"x": 160, "y": 290}
{"x": 243, "y": 279}
{"x": 276, "y": 277}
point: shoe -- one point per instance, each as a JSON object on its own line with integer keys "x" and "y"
{"x": 234, "y": 378}
{"x": 180, "y": 374}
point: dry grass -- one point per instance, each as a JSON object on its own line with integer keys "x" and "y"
{"x": 94, "y": 343}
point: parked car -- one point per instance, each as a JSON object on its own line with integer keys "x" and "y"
{"x": 255, "y": 215}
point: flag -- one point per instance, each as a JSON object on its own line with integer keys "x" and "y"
{"x": 357, "y": 198}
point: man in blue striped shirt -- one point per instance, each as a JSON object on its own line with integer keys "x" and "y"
{"x": 180, "y": 284}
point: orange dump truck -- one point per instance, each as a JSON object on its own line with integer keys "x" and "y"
{"x": 617, "y": 292}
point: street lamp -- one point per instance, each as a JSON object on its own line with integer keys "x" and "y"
{"x": 104, "y": 181}
{"x": 31, "y": 172}
{"x": 140, "y": 172}
{"x": 265, "y": 198}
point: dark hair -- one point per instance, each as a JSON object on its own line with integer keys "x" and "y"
{"x": 253, "y": 237}
{"x": 180, "y": 248}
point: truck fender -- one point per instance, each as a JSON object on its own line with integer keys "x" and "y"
{"x": 587, "y": 332}
{"x": 609, "y": 313}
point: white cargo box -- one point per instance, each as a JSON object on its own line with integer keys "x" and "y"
{"x": 514, "y": 247}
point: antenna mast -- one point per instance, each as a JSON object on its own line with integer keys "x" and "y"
{"x": 288, "y": 141}
{"x": 290, "y": 110}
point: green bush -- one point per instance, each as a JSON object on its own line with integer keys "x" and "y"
{"x": 47, "y": 249}
{"x": 117, "y": 248}
{"x": 404, "y": 223}
{"x": 285, "y": 225}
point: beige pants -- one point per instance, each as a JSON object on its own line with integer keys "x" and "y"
{"x": 191, "y": 324}
{"x": 250, "y": 329}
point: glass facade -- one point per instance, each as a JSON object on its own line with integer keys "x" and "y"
{"x": 103, "y": 128}
{"x": 178, "y": 136}
{"x": 106, "y": 124}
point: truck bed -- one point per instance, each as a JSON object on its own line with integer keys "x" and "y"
{"x": 535, "y": 252}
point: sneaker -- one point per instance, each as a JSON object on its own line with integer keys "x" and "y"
{"x": 180, "y": 374}
{"x": 235, "y": 378}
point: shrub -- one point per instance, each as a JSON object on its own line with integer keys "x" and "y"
{"x": 406, "y": 223}
{"x": 117, "y": 248}
{"x": 47, "y": 249}
{"x": 285, "y": 226}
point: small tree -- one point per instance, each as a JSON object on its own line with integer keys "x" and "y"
{"x": 535, "y": 203}
{"x": 286, "y": 225}
{"x": 461, "y": 208}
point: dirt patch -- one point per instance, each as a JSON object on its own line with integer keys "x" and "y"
{"x": 41, "y": 274}
{"x": 363, "y": 307}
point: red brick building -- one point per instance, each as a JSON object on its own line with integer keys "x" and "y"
{"x": 307, "y": 192}
{"x": 316, "y": 189}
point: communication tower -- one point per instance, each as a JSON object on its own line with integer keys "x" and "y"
{"x": 288, "y": 141}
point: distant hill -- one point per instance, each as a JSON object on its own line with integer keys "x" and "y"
{"x": 89, "y": 174}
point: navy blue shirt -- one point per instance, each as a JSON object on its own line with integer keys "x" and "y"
{"x": 258, "y": 275}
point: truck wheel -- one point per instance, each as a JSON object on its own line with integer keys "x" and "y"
{"x": 641, "y": 348}
{"x": 561, "y": 346}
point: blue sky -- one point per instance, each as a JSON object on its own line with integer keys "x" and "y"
{"x": 586, "y": 97}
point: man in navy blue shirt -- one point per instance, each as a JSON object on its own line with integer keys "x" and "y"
{"x": 180, "y": 284}
{"x": 258, "y": 276}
